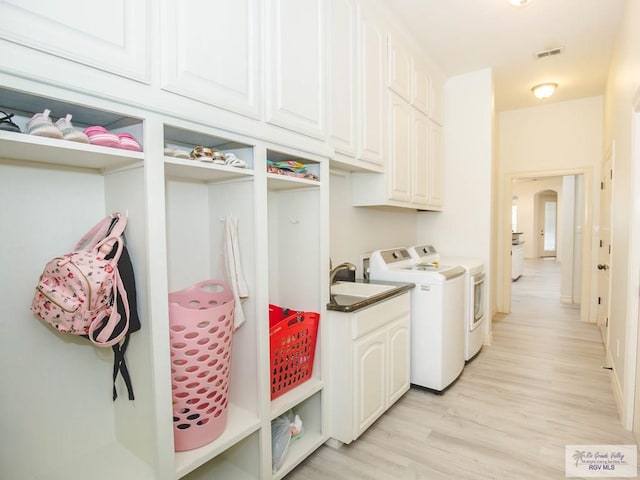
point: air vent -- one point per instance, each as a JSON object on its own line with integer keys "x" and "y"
{"x": 549, "y": 53}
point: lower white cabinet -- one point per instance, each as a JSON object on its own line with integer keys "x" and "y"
{"x": 369, "y": 360}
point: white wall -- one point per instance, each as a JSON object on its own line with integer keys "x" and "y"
{"x": 357, "y": 230}
{"x": 463, "y": 228}
{"x": 553, "y": 139}
{"x": 622, "y": 87}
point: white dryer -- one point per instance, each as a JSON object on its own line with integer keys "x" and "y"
{"x": 437, "y": 314}
{"x": 474, "y": 294}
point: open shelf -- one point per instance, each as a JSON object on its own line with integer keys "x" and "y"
{"x": 202, "y": 171}
{"x": 285, "y": 182}
{"x": 239, "y": 462}
{"x": 240, "y": 424}
{"x": 295, "y": 396}
{"x": 30, "y": 148}
{"x": 310, "y": 412}
{"x": 186, "y": 139}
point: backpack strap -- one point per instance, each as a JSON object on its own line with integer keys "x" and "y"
{"x": 102, "y": 339}
{"x": 112, "y": 226}
{"x": 120, "y": 365}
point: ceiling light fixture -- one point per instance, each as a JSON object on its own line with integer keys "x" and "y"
{"x": 519, "y": 3}
{"x": 544, "y": 90}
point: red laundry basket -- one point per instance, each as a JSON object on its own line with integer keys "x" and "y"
{"x": 292, "y": 343}
{"x": 201, "y": 330}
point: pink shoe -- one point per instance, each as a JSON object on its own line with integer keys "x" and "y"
{"x": 100, "y": 136}
{"x": 128, "y": 142}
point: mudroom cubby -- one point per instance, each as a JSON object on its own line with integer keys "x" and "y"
{"x": 59, "y": 420}
{"x": 199, "y": 196}
{"x": 298, "y": 279}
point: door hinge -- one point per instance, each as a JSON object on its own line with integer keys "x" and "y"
{"x": 600, "y": 243}
{"x": 611, "y": 174}
{"x": 606, "y": 322}
{"x": 601, "y": 185}
{"x": 609, "y": 249}
{"x": 599, "y": 300}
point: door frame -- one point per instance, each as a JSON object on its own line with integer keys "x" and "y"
{"x": 503, "y": 303}
{"x": 632, "y": 360}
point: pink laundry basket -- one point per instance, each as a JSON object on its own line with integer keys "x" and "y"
{"x": 201, "y": 330}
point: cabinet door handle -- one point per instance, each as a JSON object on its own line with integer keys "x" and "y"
{"x": 603, "y": 266}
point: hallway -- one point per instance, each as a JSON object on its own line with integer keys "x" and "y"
{"x": 539, "y": 387}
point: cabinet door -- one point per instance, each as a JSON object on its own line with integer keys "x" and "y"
{"x": 114, "y": 38}
{"x": 370, "y": 395}
{"x": 420, "y": 159}
{"x": 199, "y": 60}
{"x": 421, "y": 87}
{"x": 399, "y": 359}
{"x": 341, "y": 85}
{"x": 399, "y": 166}
{"x": 399, "y": 70}
{"x": 295, "y": 65}
{"x": 436, "y": 167}
{"x": 372, "y": 102}
{"x": 436, "y": 107}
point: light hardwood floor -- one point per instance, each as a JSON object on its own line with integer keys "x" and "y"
{"x": 537, "y": 388}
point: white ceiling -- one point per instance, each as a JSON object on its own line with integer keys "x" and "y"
{"x": 462, "y": 36}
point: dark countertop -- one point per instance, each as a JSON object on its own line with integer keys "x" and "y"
{"x": 351, "y": 304}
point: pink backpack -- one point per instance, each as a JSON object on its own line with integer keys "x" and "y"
{"x": 77, "y": 293}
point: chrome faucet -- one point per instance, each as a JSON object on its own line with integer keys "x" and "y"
{"x": 343, "y": 266}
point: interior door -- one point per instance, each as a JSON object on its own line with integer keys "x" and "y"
{"x": 547, "y": 208}
{"x": 604, "y": 255}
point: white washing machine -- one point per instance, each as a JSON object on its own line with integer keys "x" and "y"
{"x": 474, "y": 294}
{"x": 437, "y": 314}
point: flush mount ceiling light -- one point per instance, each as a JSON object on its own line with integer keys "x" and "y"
{"x": 519, "y": 3}
{"x": 544, "y": 90}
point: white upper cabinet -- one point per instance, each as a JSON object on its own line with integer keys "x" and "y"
{"x": 356, "y": 83}
{"x": 400, "y": 68}
{"x": 420, "y": 158}
{"x": 342, "y": 76}
{"x": 211, "y": 52}
{"x": 436, "y": 167}
{"x": 421, "y": 87}
{"x": 400, "y": 169}
{"x": 111, "y": 36}
{"x": 295, "y": 65}
{"x": 372, "y": 89}
{"x": 436, "y": 111}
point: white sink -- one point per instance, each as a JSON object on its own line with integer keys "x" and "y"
{"x": 362, "y": 290}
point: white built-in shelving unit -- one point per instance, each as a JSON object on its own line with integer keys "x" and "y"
{"x": 53, "y": 191}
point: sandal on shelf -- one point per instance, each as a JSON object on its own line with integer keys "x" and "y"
{"x": 42, "y": 126}
{"x": 128, "y": 142}
{"x": 176, "y": 152}
{"x": 234, "y": 161}
{"x": 219, "y": 158}
{"x": 7, "y": 124}
{"x": 70, "y": 133}
{"x": 100, "y": 136}
{"x": 203, "y": 154}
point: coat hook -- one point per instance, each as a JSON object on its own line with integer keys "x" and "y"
{"x": 294, "y": 220}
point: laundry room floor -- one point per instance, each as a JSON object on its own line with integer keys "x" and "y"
{"x": 537, "y": 388}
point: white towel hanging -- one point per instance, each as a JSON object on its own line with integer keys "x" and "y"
{"x": 233, "y": 267}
